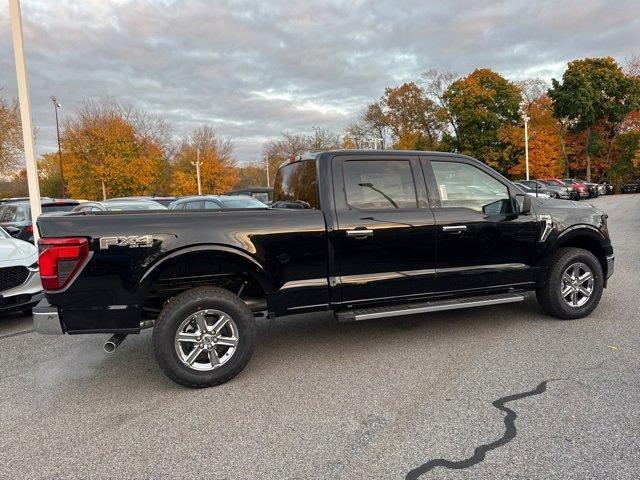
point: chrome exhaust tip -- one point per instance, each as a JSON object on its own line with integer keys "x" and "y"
{"x": 114, "y": 342}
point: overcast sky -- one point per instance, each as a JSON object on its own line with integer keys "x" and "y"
{"x": 256, "y": 68}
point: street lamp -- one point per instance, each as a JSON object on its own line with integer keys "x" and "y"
{"x": 197, "y": 164}
{"x": 56, "y": 106}
{"x": 526, "y": 143}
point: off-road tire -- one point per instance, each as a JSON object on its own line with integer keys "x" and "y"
{"x": 187, "y": 303}
{"x": 549, "y": 296}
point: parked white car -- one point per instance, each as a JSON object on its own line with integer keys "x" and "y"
{"x": 20, "y": 287}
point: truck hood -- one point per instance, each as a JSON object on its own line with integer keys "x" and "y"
{"x": 567, "y": 213}
{"x": 14, "y": 251}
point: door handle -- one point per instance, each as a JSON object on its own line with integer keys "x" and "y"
{"x": 360, "y": 233}
{"x": 455, "y": 229}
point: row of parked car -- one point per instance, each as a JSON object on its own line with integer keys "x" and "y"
{"x": 567, "y": 188}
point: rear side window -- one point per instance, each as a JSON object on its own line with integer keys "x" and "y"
{"x": 209, "y": 205}
{"x": 297, "y": 183}
{"x": 194, "y": 205}
{"x": 375, "y": 184}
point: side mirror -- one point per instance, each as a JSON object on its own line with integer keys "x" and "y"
{"x": 524, "y": 203}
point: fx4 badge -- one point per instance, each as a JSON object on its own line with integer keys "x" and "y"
{"x": 131, "y": 241}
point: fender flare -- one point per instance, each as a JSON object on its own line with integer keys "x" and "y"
{"x": 576, "y": 231}
{"x": 253, "y": 266}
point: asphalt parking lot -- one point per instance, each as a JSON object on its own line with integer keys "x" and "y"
{"x": 501, "y": 392}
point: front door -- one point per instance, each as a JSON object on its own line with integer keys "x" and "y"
{"x": 482, "y": 242}
{"x": 384, "y": 243}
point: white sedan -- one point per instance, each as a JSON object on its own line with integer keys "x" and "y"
{"x": 20, "y": 287}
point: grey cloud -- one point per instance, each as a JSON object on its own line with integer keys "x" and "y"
{"x": 256, "y": 68}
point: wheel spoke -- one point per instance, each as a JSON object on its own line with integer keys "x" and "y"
{"x": 574, "y": 298}
{"x": 214, "y": 360}
{"x": 191, "y": 358}
{"x": 576, "y": 271}
{"x": 201, "y": 322}
{"x": 567, "y": 278}
{"x": 222, "y": 321}
{"x": 586, "y": 277}
{"x": 188, "y": 337}
{"x": 584, "y": 291}
{"x": 228, "y": 341}
{"x": 566, "y": 291}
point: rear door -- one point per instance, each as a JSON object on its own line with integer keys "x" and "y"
{"x": 385, "y": 239}
{"x": 482, "y": 241}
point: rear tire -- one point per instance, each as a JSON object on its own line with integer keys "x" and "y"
{"x": 184, "y": 314}
{"x": 569, "y": 292}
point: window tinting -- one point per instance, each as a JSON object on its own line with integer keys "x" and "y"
{"x": 463, "y": 185}
{"x": 209, "y": 205}
{"x": 375, "y": 184}
{"x": 297, "y": 183}
{"x": 193, "y": 205}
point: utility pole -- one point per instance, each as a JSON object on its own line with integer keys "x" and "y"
{"x": 25, "y": 115}
{"x": 266, "y": 157}
{"x": 197, "y": 164}
{"x": 56, "y": 106}
{"x": 104, "y": 190}
{"x": 526, "y": 143}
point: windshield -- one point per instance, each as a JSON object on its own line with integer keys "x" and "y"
{"x": 58, "y": 208}
{"x": 241, "y": 202}
{"x": 127, "y": 206}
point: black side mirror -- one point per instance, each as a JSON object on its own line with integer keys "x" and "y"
{"x": 524, "y": 203}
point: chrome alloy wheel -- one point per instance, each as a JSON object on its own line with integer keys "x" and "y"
{"x": 577, "y": 284}
{"x": 206, "y": 340}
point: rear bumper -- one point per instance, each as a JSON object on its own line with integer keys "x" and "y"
{"x": 46, "y": 319}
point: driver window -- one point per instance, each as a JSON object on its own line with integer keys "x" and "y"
{"x": 463, "y": 185}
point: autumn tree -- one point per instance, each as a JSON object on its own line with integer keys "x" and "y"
{"x": 377, "y": 122}
{"x": 594, "y": 91}
{"x": 218, "y": 171}
{"x": 113, "y": 149}
{"x": 10, "y": 136}
{"x": 49, "y": 175}
{"x": 252, "y": 174}
{"x": 480, "y": 105}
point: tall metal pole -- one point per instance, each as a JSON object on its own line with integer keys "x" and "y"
{"x": 56, "y": 106}
{"x": 197, "y": 163}
{"x": 266, "y": 157}
{"x": 25, "y": 114}
{"x": 526, "y": 144}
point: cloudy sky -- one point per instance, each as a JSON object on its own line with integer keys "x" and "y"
{"x": 256, "y": 68}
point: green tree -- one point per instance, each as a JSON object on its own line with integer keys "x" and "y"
{"x": 594, "y": 90}
{"x": 480, "y": 106}
{"x": 10, "y": 136}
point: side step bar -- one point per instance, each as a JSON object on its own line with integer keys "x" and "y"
{"x": 425, "y": 307}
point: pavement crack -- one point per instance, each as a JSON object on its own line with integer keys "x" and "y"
{"x": 8, "y": 335}
{"x": 480, "y": 452}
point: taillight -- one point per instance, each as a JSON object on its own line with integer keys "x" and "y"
{"x": 60, "y": 260}
{"x": 29, "y": 229}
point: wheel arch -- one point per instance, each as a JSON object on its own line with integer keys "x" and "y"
{"x": 586, "y": 237}
{"x": 219, "y": 257}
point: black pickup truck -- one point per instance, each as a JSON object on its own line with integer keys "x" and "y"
{"x": 365, "y": 234}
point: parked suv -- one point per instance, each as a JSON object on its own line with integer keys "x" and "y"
{"x": 556, "y": 191}
{"x": 15, "y": 217}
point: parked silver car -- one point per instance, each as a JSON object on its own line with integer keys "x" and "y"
{"x": 20, "y": 287}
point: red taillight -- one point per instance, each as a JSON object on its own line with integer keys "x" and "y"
{"x": 29, "y": 229}
{"x": 60, "y": 259}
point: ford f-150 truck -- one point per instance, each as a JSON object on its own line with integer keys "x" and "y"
{"x": 365, "y": 234}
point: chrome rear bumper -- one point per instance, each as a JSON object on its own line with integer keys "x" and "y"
{"x": 46, "y": 319}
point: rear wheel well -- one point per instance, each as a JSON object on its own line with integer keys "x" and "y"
{"x": 204, "y": 268}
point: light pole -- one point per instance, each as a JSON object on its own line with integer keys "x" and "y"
{"x": 56, "y": 106}
{"x": 197, "y": 163}
{"x": 25, "y": 114}
{"x": 266, "y": 159}
{"x": 526, "y": 144}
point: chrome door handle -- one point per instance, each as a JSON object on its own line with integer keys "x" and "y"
{"x": 454, "y": 228}
{"x": 360, "y": 233}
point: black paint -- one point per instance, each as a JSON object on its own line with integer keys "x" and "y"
{"x": 480, "y": 452}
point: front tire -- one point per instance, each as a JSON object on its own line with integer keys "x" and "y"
{"x": 204, "y": 337}
{"x": 573, "y": 286}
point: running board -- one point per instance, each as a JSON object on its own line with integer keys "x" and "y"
{"x": 425, "y": 307}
